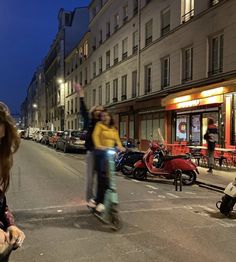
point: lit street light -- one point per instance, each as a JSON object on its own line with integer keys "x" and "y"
{"x": 35, "y": 106}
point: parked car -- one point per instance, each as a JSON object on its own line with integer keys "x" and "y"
{"x": 30, "y": 131}
{"x": 45, "y": 136}
{"x": 71, "y": 140}
{"x": 38, "y": 135}
{"x": 55, "y": 136}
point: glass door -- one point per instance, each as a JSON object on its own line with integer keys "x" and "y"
{"x": 195, "y": 135}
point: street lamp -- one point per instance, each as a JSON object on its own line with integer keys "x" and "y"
{"x": 35, "y": 106}
{"x": 60, "y": 81}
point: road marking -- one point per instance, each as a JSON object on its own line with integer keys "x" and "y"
{"x": 152, "y": 187}
{"x": 136, "y": 181}
{"x": 151, "y": 192}
{"x": 190, "y": 193}
{"x": 173, "y": 195}
{"x": 161, "y": 196}
{"x": 208, "y": 208}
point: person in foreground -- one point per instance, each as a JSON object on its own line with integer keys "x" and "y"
{"x": 11, "y": 237}
{"x": 105, "y": 136}
{"x": 211, "y": 137}
{"x": 90, "y": 121}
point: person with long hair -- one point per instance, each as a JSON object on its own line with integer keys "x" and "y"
{"x": 105, "y": 136}
{"x": 11, "y": 237}
{"x": 90, "y": 119}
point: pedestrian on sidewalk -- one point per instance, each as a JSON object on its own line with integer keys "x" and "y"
{"x": 11, "y": 237}
{"x": 211, "y": 137}
{"x": 105, "y": 136}
{"x": 90, "y": 120}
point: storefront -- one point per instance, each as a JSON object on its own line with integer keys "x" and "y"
{"x": 188, "y": 112}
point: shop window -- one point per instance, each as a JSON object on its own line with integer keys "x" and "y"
{"x": 150, "y": 125}
{"x": 205, "y": 117}
{"x": 182, "y": 128}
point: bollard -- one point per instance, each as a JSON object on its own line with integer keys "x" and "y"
{"x": 178, "y": 180}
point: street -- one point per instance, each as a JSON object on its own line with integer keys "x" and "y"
{"x": 46, "y": 196}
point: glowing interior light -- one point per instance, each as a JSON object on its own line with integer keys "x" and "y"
{"x": 211, "y": 92}
{"x": 182, "y": 99}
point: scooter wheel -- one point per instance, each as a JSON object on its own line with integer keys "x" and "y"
{"x": 140, "y": 173}
{"x": 116, "y": 222}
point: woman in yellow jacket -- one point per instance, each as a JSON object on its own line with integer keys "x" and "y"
{"x": 105, "y": 136}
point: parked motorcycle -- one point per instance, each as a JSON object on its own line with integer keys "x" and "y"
{"x": 228, "y": 201}
{"x": 165, "y": 165}
{"x": 125, "y": 161}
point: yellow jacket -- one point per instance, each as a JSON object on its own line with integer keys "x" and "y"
{"x": 104, "y": 136}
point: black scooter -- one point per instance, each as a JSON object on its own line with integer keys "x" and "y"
{"x": 125, "y": 161}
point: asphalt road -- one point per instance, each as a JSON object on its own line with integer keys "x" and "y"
{"x": 47, "y": 197}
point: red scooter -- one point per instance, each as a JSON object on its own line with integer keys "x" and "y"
{"x": 156, "y": 162}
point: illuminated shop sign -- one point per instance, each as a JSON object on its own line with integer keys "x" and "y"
{"x": 188, "y": 104}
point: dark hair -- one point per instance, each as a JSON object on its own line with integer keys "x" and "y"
{"x": 9, "y": 144}
{"x": 112, "y": 122}
{"x": 210, "y": 121}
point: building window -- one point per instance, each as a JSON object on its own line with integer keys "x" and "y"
{"x": 108, "y": 29}
{"x": 85, "y": 49}
{"x": 124, "y": 88}
{"x": 100, "y": 64}
{"x": 100, "y": 37}
{"x": 72, "y": 124}
{"x": 148, "y": 32}
{"x": 94, "y": 97}
{"x": 131, "y": 126}
{"x": 125, "y": 13}
{"x": 135, "y": 42}
{"x": 116, "y": 22}
{"x": 165, "y": 72}
{"x": 187, "y": 10}
{"x": 68, "y": 124}
{"x": 76, "y": 124}
{"x": 72, "y": 106}
{"x": 116, "y": 50}
{"x": 94, "y": 69}
{"x": 76, "y": 104}
{"x": 94, "y": 43}
{"x": 148, "y": 1}
{"x": 108, "y": 55}
{"x": 68, "y": 107}
{"x": 165, "y": 21}
{"x": 107, "y": 93}
{"x": 216, "y": 54}
{"x": 86, "y": 76}
{"x": 135, "y": 9}
{"x": 150, "y": 125}
{"x": 125, "y": 48}
{"x": 148, "y": 79}
{"x": 214, "y": 2}
{"x": 80, "y": 78}
{"x": 115, "y": 90}
{"x": 100, "y": 95}
{"x": 134, "y": 83}
{"x": 187, "y": 58}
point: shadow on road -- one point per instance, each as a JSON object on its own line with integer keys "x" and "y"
{"x": 218, "y": 215}
{"x": 81, "y": 219}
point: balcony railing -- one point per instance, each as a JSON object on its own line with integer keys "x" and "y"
{"x": 114, "y": 99}
{"x": 214, "y": 2}
{"x": 135, "y": 49}
{"x": 115, "y": 61}
{"x": 187, "y": 79}
{"x": 165, "y": 30}
{"x": 124, "y": 55}
{"x": 188, "y": 16}
{"x": 107, "y": 66}
{"x": 116, "y": 28}
{"x": 123, "y": 97}
{"x": 125, "y": 19}
{"x": 148, "y": 41}
{"x": 215, "y": 71}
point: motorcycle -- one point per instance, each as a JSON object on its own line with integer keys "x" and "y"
{"x": 165, "y": 165}
{"x": 125, "y": 161}
{"x": 228, "y": 201}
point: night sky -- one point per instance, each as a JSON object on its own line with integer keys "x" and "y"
{"x": 27, "y": 29}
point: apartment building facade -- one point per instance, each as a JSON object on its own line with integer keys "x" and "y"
{"x": 144, "y": 54}
{"x": 76, "y": 71}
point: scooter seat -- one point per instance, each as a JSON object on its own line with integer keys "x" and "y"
{"x": 175, "y": 157}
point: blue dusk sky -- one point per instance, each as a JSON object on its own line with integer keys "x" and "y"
{"x": 27, "y": 29}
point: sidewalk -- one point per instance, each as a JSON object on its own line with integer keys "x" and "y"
{"x": 219, "y": 179}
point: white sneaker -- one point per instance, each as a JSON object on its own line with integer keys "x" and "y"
{"x": 100, "y": 208}
{"x": 91, "y": 203}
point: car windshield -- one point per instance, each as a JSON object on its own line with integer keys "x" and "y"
{"x": 76, "y": 133}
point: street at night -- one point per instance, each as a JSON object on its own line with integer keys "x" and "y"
{"x": 159, "y": 224}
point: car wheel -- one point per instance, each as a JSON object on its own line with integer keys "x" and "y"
{"x": 65, "y": 148}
